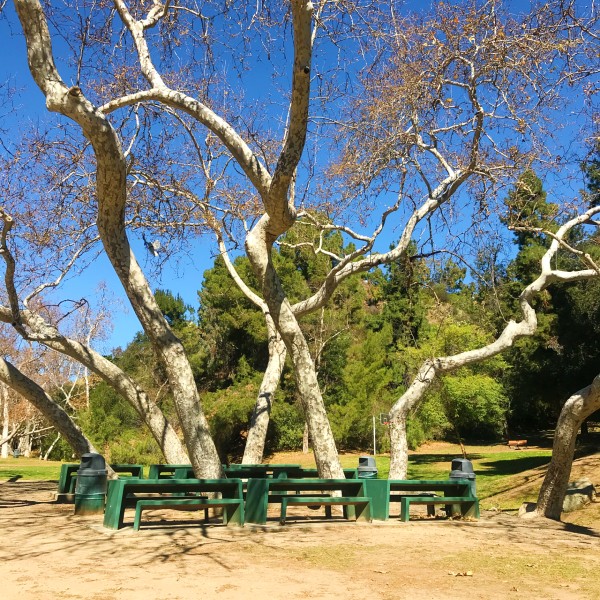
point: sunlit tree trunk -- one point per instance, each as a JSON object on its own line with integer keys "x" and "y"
{"x": 56, "y": 416}
{"x": 111, "y": 191}
{"x": 258, "y": 246}
{"x": 257, "y": 433}
{"x": 554, "y": 487}
{"x": 5, "y": 421}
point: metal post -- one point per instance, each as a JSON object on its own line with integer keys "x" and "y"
{"x": 374, "y": 438}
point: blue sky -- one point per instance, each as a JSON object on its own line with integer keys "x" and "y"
{"x": 183, "y": 277}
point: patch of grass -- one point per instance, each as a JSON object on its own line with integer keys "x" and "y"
{"x": 533, "y": 569}
{"x": 29, "y": 468}
{"x": 336, "y": 557}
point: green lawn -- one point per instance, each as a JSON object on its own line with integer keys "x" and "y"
{"x": 28, "y": 468}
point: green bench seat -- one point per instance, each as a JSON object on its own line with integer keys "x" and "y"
{"x": 233, "y": 507}
{"x": 362, "y": 503}
{"x": 469, "y": 506}
{"x": 199, "y": 493}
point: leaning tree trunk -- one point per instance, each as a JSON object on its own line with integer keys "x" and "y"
{"x": 5, "y": 421}
{"x": 258, "y": 245}
{"x": 60, "y": 420}
{"x": 257, "y": 434}
{"x": 111, "y": 192}
{"x": 161, "y": 429}
{"x": 576, "y": 409}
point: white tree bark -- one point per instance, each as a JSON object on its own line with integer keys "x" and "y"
{"x": 5, "y": 422}
{"x": 324, "y": 449}
{"x": 280, "y": 216}
{"x": 51, "y": 447}
{"x": 257, "y": 433}
{"x": 40, "y": 331}
{"x": 433, "y": 367}
{"x": 112, "y": 196}
{"x": 554, "y": 487}
{"x": 16, "y": 380}
{"x": 259, "y": 423}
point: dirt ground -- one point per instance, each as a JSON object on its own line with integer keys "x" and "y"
{"x": 47, "y": 552}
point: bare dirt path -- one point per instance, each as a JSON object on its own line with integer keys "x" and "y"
{"x": 46, "y": 552}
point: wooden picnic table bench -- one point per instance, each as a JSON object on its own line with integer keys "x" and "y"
{"x": 182, "y": 494}
{"x": 68, "y": 475}
{"x": 456, "y": 493}
{"x": 517, "y": 444}
{"x": 321, "y": 492}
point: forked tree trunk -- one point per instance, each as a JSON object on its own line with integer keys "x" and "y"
{"x": 554, "y": 487}
{"x": 258, "y": 246}
{"x": 257, "y": 433}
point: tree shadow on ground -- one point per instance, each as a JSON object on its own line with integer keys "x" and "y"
{"x": 513, "y": 466}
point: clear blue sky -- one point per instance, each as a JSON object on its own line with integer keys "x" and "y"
{"x": 183, "y": 278}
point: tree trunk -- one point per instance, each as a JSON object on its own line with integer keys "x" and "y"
{"x": 111, "y": 193}
{"x": 305, "y": 440}
{"x": 398, "y": 445}
{"x": 51, "y": 447}
{"x": 258, "y": 245}
{"x": 25, "y": 442}
{"x": 160, "y": 428}
{"x": 576, "y": 409}
{"x": 5, "y": 421}
{"x": 13, "y": 378}
{"x": 257, "y": 434}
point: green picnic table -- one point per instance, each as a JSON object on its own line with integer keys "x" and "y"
{"x": 291, "y": 492}
{"x": 159, "y": 471}
{"x": 457, "y": 493}
{"x": 174, "y": 493}
{"x": 68, "y": 475}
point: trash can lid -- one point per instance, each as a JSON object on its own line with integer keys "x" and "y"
{"x": 366, "y": 461}
{"x": 462, "y": 464}
{"x": 91, "y": 460}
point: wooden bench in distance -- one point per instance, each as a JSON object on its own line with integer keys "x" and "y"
{"x": 233, "y": 507}
{"x": 363, "y": 504}
{"x": 469, "y": 507}
{"x": 517, "y": 444}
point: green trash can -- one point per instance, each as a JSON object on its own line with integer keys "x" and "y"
{"x": 367, "y": 468}
{"x": 90, "y": 489}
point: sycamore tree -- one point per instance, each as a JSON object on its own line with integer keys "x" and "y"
{"x": 244, "y": 120}
{"x": 28, "y": 409}
{"x": 456, "y": 107}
